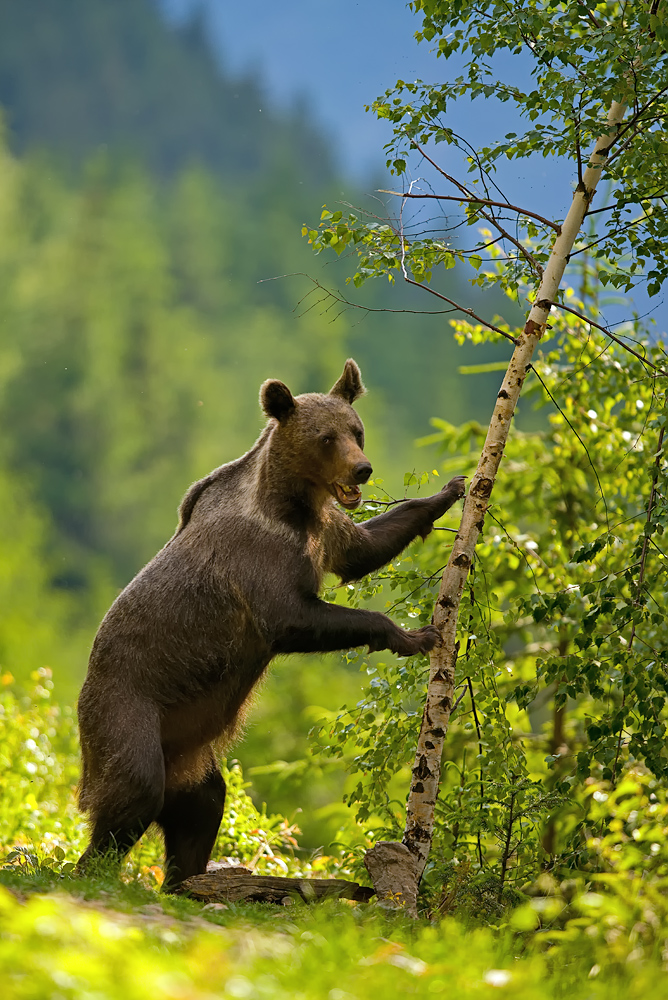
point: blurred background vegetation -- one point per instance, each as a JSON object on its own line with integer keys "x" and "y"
{"x": 146, "y": 196}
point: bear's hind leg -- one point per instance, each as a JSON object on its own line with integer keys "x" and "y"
{"x": 128, "y": 791}
{"x": 190, "y": 820}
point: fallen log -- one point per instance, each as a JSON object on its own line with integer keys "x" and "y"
{"x": 232, "y": 885}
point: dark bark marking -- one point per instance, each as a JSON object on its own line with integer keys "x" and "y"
{"x": 482, "y": 488}
{"x": 422, "y": 772}
{"x": 419, "y": 833}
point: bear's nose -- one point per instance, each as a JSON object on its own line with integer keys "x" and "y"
{"x": 361, "y": 472}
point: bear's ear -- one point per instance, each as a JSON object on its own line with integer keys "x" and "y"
{"x": 350, "y": 386}
{"x": 276, "y": 399}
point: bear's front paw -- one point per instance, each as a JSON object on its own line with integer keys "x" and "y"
{"x": 455, "y": 488}
{"x": 437, "y": 505}
{"x": 419, "y": 640}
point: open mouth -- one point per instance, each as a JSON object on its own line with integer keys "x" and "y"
{"x": 348, "y": 496}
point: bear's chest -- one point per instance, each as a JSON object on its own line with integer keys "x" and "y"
{"x": 314, "y": 552}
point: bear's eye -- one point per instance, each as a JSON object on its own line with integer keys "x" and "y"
{"x": 359, "y": 437}
{"x": 327, "y": 438}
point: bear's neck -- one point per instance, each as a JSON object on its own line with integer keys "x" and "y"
{"x": 285, "y": 495}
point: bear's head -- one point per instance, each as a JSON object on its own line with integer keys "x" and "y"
{"x": 319, "y": 437}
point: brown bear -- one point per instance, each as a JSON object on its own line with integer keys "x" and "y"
{"x": 181, "y": 648}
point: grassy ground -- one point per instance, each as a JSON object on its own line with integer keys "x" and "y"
{"x": 116, "y": 937}
{"x": 73, "y": 939}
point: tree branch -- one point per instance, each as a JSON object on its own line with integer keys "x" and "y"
{"x": 485, "y": 215}
{"x": 608, "y": 333}
{"x": 468, "y": 312}
{"x": 456, "y": 307}
{"x": 478, "y": 201}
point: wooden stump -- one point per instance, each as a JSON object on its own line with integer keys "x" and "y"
{"x": 236, "y": 885}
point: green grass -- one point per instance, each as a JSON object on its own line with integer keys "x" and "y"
{"x": 72, "y": 939}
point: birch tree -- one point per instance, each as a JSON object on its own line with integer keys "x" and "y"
{"x": 596, "y": 103}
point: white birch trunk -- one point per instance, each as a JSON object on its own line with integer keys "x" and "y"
{"x": 427, "y": 768}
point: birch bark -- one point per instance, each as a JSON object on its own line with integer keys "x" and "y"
{"x": 427, "y": 767}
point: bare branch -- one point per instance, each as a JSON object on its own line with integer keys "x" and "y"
{"x": 456, "y": 307}
{"x": 468, "y": 312}
{"x": 478, "y": 201}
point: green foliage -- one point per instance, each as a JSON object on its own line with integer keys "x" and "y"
{"x": 52, "y": 946}
{"x": 615, "y": 911}
{"x": 127, "y": 945}
{"x": 121, "y": 377}
{"x": 39, "y": 770}
{"x": 39, "y": 625}
{"x": 42, "y": 833}
{"x": 563, "y": 649}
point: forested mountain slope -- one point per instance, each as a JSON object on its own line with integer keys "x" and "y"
{"x": 79, "y": 74}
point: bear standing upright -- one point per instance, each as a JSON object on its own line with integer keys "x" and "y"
{"x": 181, "y": 648}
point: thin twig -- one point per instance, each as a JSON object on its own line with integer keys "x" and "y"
{"x": 641, "y": 573}
{"x": 456, "y": 307}
{"x": 468, "y": 312}
{"x": 482, "y": 785}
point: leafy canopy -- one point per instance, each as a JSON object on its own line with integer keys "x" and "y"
{"x": 561, "y": 65}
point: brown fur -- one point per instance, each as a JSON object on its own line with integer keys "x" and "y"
{"x": 182, "y": 647}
